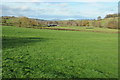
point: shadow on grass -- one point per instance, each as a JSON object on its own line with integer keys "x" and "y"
{"x": 12, "y": 42}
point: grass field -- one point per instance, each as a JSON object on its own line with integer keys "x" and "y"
{"x": 42, "y": 53}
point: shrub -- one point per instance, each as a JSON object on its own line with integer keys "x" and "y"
{"x": 112, "y": 24}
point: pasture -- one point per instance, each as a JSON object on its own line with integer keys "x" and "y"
{"x": 43, "y": 53}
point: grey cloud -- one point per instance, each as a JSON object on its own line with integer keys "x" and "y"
{"x": 19, "y": 11}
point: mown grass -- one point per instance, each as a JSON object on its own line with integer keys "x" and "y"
{"x": 41, "y": 53}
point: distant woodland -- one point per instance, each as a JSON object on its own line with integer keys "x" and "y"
{"x": 110, "y": 21}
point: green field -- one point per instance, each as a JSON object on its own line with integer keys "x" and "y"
{"x": 42, "y": 53}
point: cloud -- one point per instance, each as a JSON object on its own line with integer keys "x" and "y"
{"x": 60, "y": 0}
{"x": 50, "y": 4}
{"x": 16, "y": 11}
{"x": 56, "y": 10}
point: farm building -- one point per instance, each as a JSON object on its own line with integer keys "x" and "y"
{"x": 52, "y": 25}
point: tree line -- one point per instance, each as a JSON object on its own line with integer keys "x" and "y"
{"x": 110, "y": 21}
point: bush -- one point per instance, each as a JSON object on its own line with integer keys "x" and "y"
{"x": 112, "y": 24}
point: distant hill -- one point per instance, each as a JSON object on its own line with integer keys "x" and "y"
{"x": 110, "y": 21}
{"x": 111, "y": 16}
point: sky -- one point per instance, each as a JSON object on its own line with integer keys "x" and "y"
{"x": 59, "y": 10}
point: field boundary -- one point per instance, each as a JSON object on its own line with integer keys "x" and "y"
{"x": 80, "y": 30}
{"x": 75, "y": 30}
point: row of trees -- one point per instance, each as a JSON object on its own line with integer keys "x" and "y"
{"x": 110, "y": 21}
{"x": 111, "y": 15}
{"x": 102, "y": 23}
{"x": 19, "y": 21}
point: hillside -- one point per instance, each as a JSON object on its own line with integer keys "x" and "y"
{"x": 108, "y": 22}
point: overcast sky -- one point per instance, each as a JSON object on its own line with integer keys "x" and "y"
{"x": 87, "y": 9}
